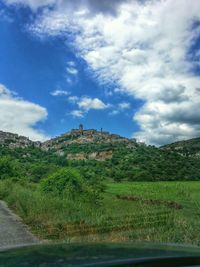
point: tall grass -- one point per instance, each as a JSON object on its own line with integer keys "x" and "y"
{"x": 186, "y": 220}
{"x": 60, "y": 219}
{"x": 45, "y": 214}
{"x": 115, "y": 219}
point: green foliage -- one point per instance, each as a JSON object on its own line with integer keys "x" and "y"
{"x": 66, "y": 182}
{"x": 9, "y": 168}
{"x": 33, "y": 155}
{"x": 116, "y": 219}
{"x": 140, "y": 163}
{"x": 45, "y": 188}
{"x": 146, "y": 163}
{"x": 189, "y": 147}
{"x": 38, "y": 171}
{"x": 137, "y": 163}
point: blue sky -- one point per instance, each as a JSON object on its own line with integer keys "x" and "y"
{"x": 122, "y": 66}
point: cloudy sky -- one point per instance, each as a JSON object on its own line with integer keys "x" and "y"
{"x": 131, "y": 67}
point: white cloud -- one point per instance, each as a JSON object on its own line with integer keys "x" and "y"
{"x": 59, "y": 93}
{"x": 124, "y": 105}
{"x": 73, "y": 99}
{"x": 85, "y": 104}
{"x": 113, "y": 112}
{"x": 20, "y": 116}
{"x": 119, "y": 108}
{"x": 72, "y": 70}
{"x": 88, "y": 103}
{"x": 80, "y": 5}
{"x": 33, "y": 4}
{"x": 77, "y": 113}
{"x": 71, "y": 63}
{"x": 143, "y": 49}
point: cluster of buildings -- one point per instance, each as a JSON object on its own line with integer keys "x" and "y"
{"x": 16, "y": 141}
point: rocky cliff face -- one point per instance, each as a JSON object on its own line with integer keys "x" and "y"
{"x": 100, "y": 156}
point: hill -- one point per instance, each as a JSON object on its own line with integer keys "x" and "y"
{"x": 77, "y": 182}
{"x": 189, "y": 147}
{"x": 108, "y": 156}
{"x": 79, "y": 144}
{"x": 13, "y": 141}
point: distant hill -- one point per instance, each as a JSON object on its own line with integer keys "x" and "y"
{"x": 189, "y": 147}
{"x": 110, "y": 156}
{"x": 81, "y": 144}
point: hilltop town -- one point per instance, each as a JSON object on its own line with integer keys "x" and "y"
{"x": 84, "y": 136}
{"x": 75, "y": 136}
{"x": 13, "y": 141}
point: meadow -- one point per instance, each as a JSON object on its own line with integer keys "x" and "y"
{"x": 139, "y": 211}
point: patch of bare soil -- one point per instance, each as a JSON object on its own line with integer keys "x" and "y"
{"x": 169, "y": 204}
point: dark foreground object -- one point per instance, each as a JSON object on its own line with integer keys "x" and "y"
{"x": 125, "y": 254}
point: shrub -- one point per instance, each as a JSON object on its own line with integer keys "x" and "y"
{"x": 66, "y": 182}
{"x": 37, "y": 171}
{"x": 9, "y": 168}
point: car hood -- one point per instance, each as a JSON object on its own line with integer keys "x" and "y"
{"x": 85, "y": 254}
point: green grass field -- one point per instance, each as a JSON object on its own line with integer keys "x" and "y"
{"x": 180, "y": 199}
{"x": 162, "y": 190}
{"x": 142, "y": 211}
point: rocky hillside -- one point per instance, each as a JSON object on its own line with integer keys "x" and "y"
{"x": 97, "y": 155}
{"x": 78, "y": 144}
{"x": 189, "y": 147}
{"x": 86, "y": 144}
{"x": 13, "y": 141}
{"x": 80, "y": 136}
{"x": 105, "y": 155}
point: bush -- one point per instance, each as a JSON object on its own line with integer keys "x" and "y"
{"x": 38, "y": 171}
{"x": 9, "y": 168}
{"x": 66, "y": 182}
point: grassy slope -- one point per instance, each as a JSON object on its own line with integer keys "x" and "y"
{"x": 115, "y": 219}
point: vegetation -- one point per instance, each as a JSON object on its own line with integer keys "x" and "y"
{"x": 9, "y": 169}
{"x": 189, "y": 147}
{"x": 138, "y": 163}
{"x": 141, "y": 163}
{"x": 142, "y": 193}
{"x": 61, "y": 218}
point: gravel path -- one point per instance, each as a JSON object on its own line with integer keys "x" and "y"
{"x": 13, "y": 233}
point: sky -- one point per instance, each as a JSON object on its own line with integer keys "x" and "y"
{"x": 130, "y": 67}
